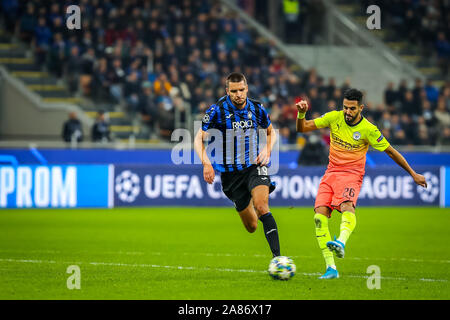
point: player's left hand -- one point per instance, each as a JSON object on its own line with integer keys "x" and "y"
{"x": 420, "y": 180}
{"x": 263, "y": 157}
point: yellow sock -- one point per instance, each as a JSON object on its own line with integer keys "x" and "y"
{"x": 348, "y": 224}
{"x": 323, "y": 236}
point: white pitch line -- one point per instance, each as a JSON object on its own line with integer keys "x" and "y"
{"x": 309, "y": 257}
{"x": 223, "y": 255}
{"x": 115, "y": 264}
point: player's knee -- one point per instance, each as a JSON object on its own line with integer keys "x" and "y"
{"x": 261, "y": 208}
{"x": 323, "y": 211}
{"x": 347, "y": 206}
{"x": 251, "y": 227}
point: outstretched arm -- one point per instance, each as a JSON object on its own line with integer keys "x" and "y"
{"x": 401, "y": 161}
{"x": 304, "y": 125}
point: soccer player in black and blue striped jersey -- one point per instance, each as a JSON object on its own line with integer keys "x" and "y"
{"x": 243, "y": 167}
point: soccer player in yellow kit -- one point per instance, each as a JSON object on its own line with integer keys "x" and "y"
{"x": 350, "y": 137}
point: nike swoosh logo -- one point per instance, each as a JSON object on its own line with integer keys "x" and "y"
{"x": 271, "y": 231}
{"x": 263, "y": 178}
{"x": 229, "y": 116}
{"x": 321, "y": 236}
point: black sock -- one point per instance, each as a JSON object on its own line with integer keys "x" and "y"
{"x": 271, "y": 232}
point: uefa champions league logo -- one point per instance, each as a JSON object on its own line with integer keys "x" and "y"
{"x": 432, "y": 191}
{"x": 127, "y": 186}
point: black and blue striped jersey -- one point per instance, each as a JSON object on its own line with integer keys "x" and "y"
{"x": 239, "y": 133}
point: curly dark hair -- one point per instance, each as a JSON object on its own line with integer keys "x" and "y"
{"x": 353, "y": 94}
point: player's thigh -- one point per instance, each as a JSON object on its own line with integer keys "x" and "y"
{"x": 324, "y": 197}
{"x": 346, "y": 191}
{"x": 249, "y": 218}
{"x": 234, "y": 187}
{"x": 260, "y": 197}
{"x": 258, "y": 182}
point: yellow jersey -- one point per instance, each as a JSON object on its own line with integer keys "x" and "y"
{"x": 350, "y": 143}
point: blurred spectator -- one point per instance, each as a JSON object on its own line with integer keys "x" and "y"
{"x": 11, "y": 10}
{"x": 401, "y": 91}
{"x": 331, "y": 106}
{"x": 314, "y": 153}
{"x": 43, "y": 36}
{"x": 28, "y": 23}
{"x": 147, "y": 106}
{"x": 166, "y": 119}
{"x": 161, "y": 85}
{"x": 100, "y": 81}
{"x": 423, "y": 137}
{"x": 72, "y": 129}
{"x": 431, "y": 91}
{"x": 399, "y": 138}
{"x": 317, "y": 103}
{"x": 443, "y": 52}
{"x": 390, "y": 94}
{"x": 73, "y": 69}
{"x": 407, "y": 124}
{"x": 100, "y": 129}
{"x": 57, "y": 55}
{"x": 330, "y": 87}
{"x": 131, "y": 92}
{"x": 292, "y": 26}
{"x": 444, "y": 138}
{"x": 442, "y": 114}
{"x": 411, "y": 105}
{"x": 116, "y": 77}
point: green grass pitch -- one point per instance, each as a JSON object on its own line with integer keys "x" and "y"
{"x": 205, "y": 253}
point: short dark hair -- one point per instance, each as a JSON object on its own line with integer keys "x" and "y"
{"x": 353, "y": 94}
{"x": 235, "y": 77}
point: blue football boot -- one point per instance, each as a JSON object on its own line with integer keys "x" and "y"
{"x": 337, "y": 246}
{"x": 330, "y": 274}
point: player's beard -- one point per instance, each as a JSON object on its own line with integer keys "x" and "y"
{"x": 239, "y": 103}
{"x": 352, "y": 120}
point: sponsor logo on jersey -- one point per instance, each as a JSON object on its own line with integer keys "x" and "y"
{"x": 335, "y": 139}
{"x": 242, "y": 124}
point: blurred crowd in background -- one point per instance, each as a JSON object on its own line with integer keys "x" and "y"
{"x": 425, "y": 24}
{"x": 155, "y": 56}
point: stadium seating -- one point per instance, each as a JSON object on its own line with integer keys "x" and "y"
{"x": 143, "y": 61}
{"x": 417, "y": 30}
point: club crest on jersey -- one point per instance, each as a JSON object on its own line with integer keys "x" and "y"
{"x": 356, "y": 135}
{"x": 249, "y": 114}
{"x": 206, "y": 118}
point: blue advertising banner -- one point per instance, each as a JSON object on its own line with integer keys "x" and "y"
{"x": 53, "y": 186}
{"x": 445, "y": 184}
{"x": 169, "y": 185}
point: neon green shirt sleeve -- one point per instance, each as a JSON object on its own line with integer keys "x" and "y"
{"x": 377, "y": 140}
{"x": 326, "y": 119}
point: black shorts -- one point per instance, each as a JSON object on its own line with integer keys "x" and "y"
{"x": 238, "y": 185}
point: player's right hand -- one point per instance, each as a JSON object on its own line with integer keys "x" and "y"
{"x": 302, "y": 106}
{"x": 208, "y": 173}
